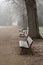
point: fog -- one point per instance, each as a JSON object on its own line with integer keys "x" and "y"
{"x": 13, "y": 12}
{"x": 40, "y": 11}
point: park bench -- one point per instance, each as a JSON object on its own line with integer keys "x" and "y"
{"x": 25, "y": 44}
{"x": 22, "y": 33}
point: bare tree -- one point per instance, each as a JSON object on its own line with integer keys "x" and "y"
{"x": 32, "y": 18}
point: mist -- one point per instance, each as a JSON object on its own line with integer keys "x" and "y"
{"x": 13, "y": 12}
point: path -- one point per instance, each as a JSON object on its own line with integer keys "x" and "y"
{"x": 9, "y": 49}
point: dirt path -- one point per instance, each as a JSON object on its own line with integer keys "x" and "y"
{"x": 9, "y": 49}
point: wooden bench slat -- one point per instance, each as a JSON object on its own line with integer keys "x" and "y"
{"x": 29, "y": 40}
{"x": 23, "y": 44}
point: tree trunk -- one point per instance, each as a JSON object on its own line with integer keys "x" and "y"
{"x": 32, "y": 18}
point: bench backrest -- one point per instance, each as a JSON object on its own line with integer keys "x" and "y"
{"x": 29, "y": 40}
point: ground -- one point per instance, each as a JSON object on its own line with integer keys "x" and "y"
{"x": 10, "y": 51}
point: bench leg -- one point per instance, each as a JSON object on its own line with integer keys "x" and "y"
{"x": 30, "y": 49}
{"x": 21, "y": 52}
{"x": 24, "y": 51}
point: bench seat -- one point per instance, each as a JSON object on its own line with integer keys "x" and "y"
{"x": 23, "y": 44}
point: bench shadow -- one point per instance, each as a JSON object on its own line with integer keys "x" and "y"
{"x": 26, "y": 51}
{"x": 29, "y": 51}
